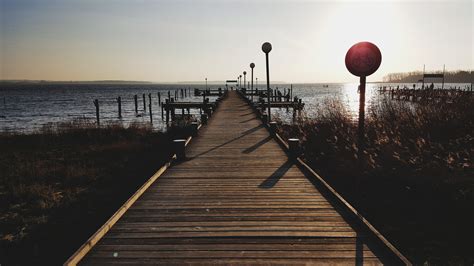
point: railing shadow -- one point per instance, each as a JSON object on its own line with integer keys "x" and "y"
{"x": 245, "y": 133}
{"x": 246, "y": 114}
{"x": 248, "y": 120}
{"x": 257, "y": 145}
{"x": 273, "y": 179}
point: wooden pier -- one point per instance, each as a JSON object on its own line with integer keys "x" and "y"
{"x": 236, "y": 199}
{"x": 425, "y": 95}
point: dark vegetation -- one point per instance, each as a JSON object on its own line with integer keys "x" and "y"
{"x": 59, "y": 185}
{"x": 459, "y": 76}
{"x": 415, "y": 182}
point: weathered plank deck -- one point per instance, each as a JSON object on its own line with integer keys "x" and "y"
{"x": 237, "y": 200}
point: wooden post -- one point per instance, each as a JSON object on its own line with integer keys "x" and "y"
{"x": 204, "y": 119}
{"x": 179, "y": 149}
{"x": 194, "y": 129}
{"x": 172, "y": 110}
{"x": 162, "y": 113}
{"x": 144, "y": 103}
{"x": 149, "y": 108}
{"x": 167, "y": 109}
{"x": 159, "y": 98}
{"x": 136, "y": 103}
{"x": 169, "y": 95}
{"x": 208, "y": 111}
{"x": 293, "y": 145}
{"x": 119, "y": 101}
{"x": 96, "y": 103}
{"x": 273, "y": 128}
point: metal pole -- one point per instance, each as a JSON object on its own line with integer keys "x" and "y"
{"x": 268, "y": 87}
{"x": 361, "y": 130}
{"x": 442, "y": 85}
{"x": 423, "y": 83}
{"x": 251, "y": 86}
{"x": 252, "y": 65}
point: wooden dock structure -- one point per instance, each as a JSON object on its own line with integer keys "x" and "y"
{"x": 425, "y": 95}
{"x": 237, "y": 199}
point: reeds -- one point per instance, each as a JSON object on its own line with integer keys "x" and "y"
{"x": 70, "y": 174}
{"x": 416, "y": 175}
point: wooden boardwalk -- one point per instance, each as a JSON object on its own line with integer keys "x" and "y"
{"x": 237, "y": 199}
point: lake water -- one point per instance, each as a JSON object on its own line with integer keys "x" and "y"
{"x": 26, "y": 107}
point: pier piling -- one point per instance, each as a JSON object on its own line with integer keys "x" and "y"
{"x": 135, "y": 97}
{"x": 119, "y": 102}
{"x": 149, "y": 108}
{"x": 96, "y": 103}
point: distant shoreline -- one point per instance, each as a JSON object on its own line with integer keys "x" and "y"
{"x": 125, "y": 82}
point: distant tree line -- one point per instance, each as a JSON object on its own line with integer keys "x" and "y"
{"x": 459, "y": 76}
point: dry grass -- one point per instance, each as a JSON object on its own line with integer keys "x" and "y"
{"x": 58, "y": 185}
{"x": 415, "y": 181}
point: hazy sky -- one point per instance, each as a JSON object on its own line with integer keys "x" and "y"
{"x": 190, "y": 40}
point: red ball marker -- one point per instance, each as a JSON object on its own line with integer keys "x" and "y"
{"x": 363, "y": 59}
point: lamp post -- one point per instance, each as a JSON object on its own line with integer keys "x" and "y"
{"x": 266, "y": 48}
{"x": 362, "y": 60}
{"x": 245, "y": 82}
{"x": 252, "y": 65}
{"x": 240, "y": 81}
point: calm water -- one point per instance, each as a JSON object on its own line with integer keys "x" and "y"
{"x": 26, "y": 108}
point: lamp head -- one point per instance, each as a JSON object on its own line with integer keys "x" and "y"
{"x": 266, "y": 47}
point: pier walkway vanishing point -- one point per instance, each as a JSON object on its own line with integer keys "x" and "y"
{"x": 237, "y": 199}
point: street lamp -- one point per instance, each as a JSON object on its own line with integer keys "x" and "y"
{"x": 252, "y": 65}
{"x": 245, "y": 82}
{"x": 266, "y": 48}
{"x": 240, "y": 81}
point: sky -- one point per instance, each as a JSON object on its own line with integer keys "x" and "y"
{"x": 171, "y": 41}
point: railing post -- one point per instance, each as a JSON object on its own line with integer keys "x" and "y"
{"x": 294, "y": 145}
{"x": 204, "y": 119}
{"x": 179, "y": 149}
{"x": 194, "y": 128}
{"x": 273, "y": 128}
